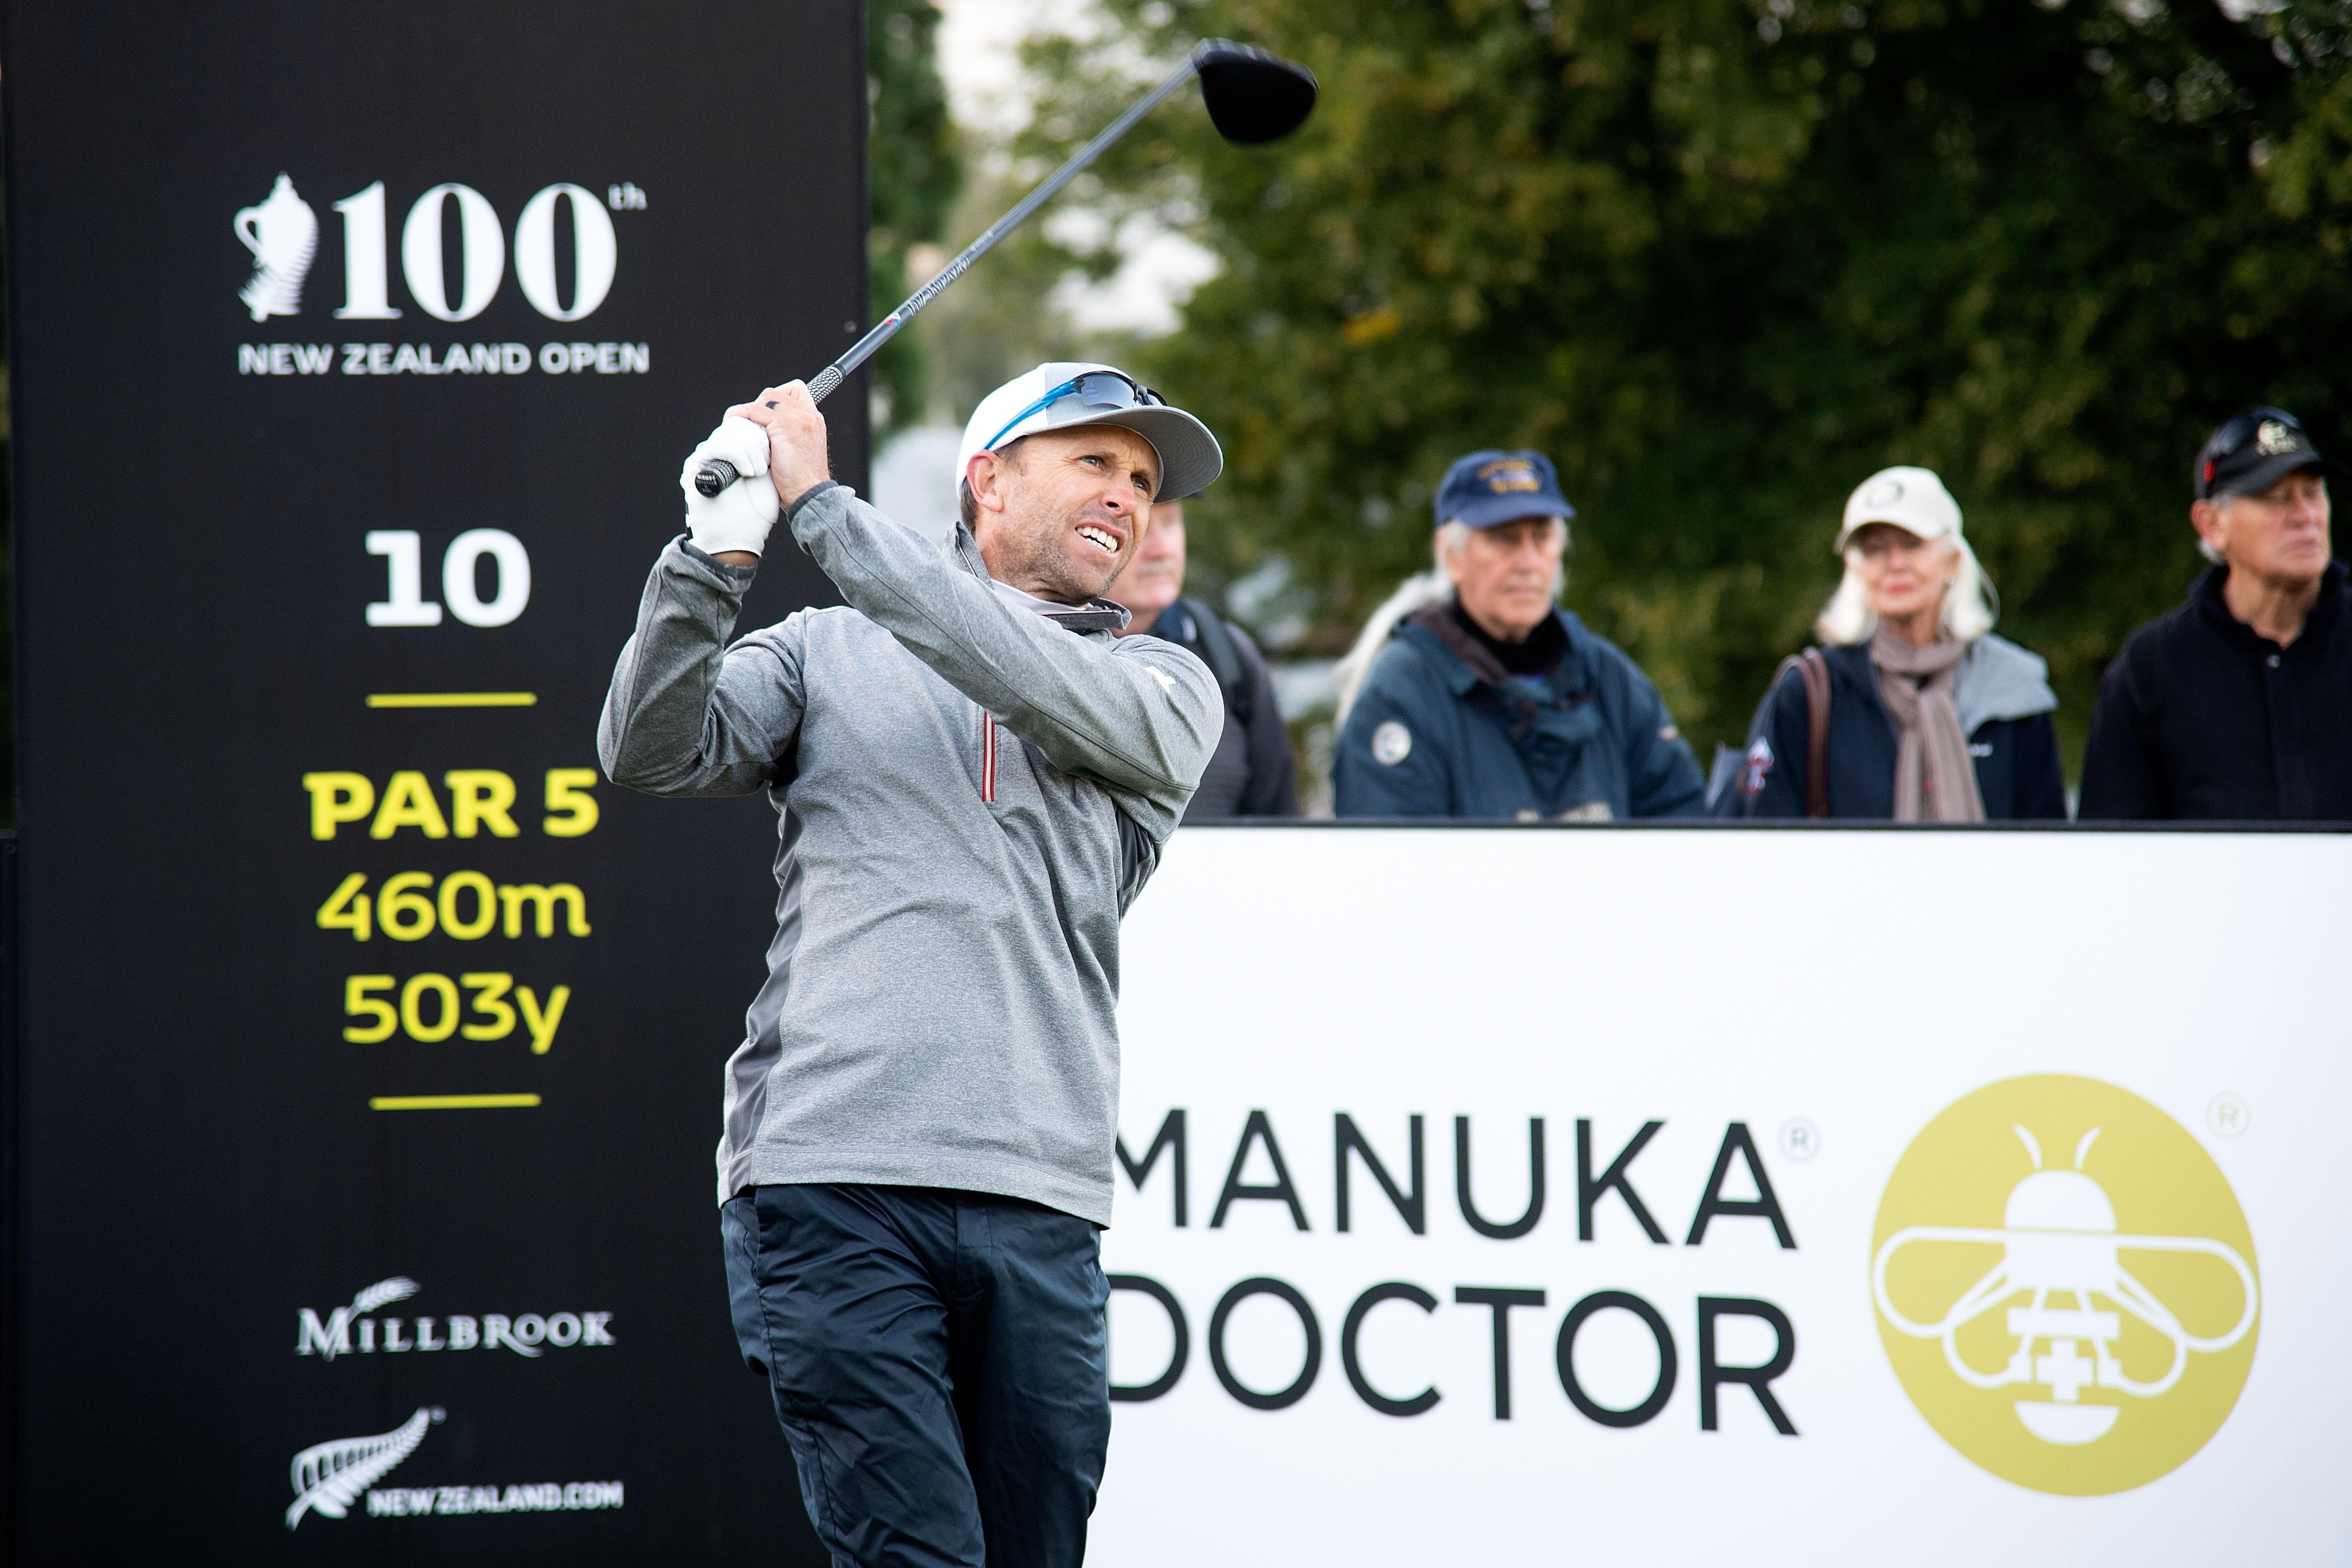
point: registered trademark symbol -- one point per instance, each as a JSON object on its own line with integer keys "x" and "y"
{"x": 2227, "y": 1115}
{"x": 1800, "y": 1139}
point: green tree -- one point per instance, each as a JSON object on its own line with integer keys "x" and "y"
{"x": 1004, "y": 315}
{"x": 1722, "y": 260}
{"x": 914, "y": 171}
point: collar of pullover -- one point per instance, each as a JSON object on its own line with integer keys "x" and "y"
{"x": 1097, "y": 616}
{"x": 1094, "y": 615}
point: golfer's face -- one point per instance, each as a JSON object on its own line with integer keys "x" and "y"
{"x": 1087, "y": 499}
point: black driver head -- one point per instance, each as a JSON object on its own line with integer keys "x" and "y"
{"x": 1253, "y": 96}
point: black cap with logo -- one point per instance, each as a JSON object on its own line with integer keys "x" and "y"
{"x": 2253, "y": 452}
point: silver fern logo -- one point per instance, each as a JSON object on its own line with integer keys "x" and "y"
{"x": 282, "y": 232}
{"x": 329, "y": 1477}
{"x": 383, "y": 1293}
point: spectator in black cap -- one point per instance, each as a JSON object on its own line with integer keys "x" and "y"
{"x": 1252, "y": 772}
{"x": 2237, "y": 706}
{"x": 1472, "y": 694}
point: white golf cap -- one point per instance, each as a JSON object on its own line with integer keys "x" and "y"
{"x": 1189, "y": 456}
{"x": 1913, "y": 499}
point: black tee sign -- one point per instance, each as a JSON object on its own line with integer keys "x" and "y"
{"x": 371, "y": 1039}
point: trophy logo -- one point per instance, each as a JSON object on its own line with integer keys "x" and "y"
{"x": 282, "y": 232}
{"x": 2080, "y": 1330}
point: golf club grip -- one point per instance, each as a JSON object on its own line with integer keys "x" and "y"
{"x": 718, "y": 474}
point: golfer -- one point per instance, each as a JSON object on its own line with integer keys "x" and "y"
{"x": 975, "y": 775}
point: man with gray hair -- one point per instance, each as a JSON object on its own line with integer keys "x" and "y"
{"x": 1472, "y": 694}
{"x": 975, "y": 776}
{"x": 2237, "y": 706}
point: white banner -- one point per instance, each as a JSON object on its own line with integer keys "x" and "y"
{"x": 1800, "y": 1197}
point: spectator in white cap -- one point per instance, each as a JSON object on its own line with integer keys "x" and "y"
{"x": 1912, "y": 709}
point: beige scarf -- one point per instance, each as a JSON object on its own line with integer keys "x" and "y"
{"x": 1934, "y": 779}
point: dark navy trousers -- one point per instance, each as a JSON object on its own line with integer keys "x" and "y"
{"x": 939, "y": 1363}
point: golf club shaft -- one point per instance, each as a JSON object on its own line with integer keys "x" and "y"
{"x": 718, "y": 474}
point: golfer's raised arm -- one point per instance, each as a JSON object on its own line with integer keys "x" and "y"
{"x": 685, "y": 714}
{"x": 1058, "y": 521}
{"x": 1139, "y": 716}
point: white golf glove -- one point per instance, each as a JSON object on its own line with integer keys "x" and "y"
{"x": 738, "y": 517}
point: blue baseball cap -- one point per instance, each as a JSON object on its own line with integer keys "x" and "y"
{"x": 1490, "y": 487}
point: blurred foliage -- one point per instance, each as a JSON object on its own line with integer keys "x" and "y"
{"x": 1721, "y": 260}
{"x": 914, "y": 171}
{"x": 1006, "y": 314}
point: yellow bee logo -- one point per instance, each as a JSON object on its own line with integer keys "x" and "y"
{"x": 2119, "y": 1297}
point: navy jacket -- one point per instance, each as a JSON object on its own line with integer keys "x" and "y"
{"x": 1441, "y": 729}
{"x": 1251, "y": 773}
{"x": 2200, "y": 717}
{"x": 2016, "y": 754}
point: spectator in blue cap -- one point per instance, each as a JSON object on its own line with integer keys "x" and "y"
{"x": 1472, "y": 694}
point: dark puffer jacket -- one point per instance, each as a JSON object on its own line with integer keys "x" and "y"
{"x": 2004, "y": 700}
{"x": 1441, "y": 729}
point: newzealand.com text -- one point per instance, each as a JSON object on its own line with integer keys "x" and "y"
{"x": 398, "y": 1502}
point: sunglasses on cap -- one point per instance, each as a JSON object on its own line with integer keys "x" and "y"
{"x": 2240, "y": 430}
{"x": 2279, "y": 431}
{"x": 1105, "y": 392}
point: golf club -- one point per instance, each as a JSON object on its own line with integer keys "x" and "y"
{"x": 1252, "y": 97}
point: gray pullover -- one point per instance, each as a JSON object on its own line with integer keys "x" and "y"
{"x": 970, "y": 797}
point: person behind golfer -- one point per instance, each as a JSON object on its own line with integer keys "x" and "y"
{"x": 1253, "y": 773}
{"x": 975, "y": 776}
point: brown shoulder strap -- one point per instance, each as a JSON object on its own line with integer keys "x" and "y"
{"x": 1814, "y": 670}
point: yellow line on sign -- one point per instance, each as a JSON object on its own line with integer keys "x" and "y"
{"x": 451, "y": 1102}
{"x": 452, "y": 699}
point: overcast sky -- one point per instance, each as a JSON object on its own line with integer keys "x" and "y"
{"x": 979, "y": 45}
